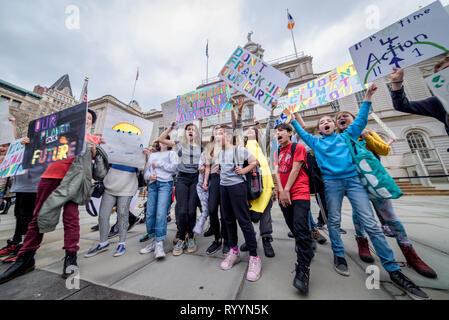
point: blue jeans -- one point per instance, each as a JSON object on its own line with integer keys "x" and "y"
{"x": 312, "y": 223}
{"x": 354, "y": 190}
{"x": 159, "y": 199}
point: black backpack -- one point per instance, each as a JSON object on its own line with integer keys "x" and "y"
{"x": 316, "y": 184}
{"x": 253, "y": 180}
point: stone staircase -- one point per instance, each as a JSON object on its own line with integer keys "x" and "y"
{"x": 410, "y": 189}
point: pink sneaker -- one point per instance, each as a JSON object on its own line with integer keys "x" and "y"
{"x": 232, "y": 258}
{"x": 254, "y": 269}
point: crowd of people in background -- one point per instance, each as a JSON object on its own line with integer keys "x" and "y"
{"x": 231, "y": 180}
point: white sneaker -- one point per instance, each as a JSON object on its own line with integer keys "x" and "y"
{"x": 159, "y": 252}
{"x": 149, "y": 248}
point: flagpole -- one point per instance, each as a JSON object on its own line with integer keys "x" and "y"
{"x": 293, "y": 38}
{"x": 207, "y": 62}
{"x": 134, "y": 89}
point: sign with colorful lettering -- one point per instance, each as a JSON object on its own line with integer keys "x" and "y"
{"x": 439, "y": 84}
{"x": 126, "y": 136}
{"x": 253, "y": 77}
{"x": 56, "y": 137}
{"x": 12, "y": 163}
{"x": 329, "y": 87}
{"x": 203, "y": 102}
{"x": 6, "y": 133}
{"x": 417, "y": 37}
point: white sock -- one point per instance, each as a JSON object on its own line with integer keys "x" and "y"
{"x": 102, "y": 244}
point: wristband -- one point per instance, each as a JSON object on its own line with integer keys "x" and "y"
{"x": 399, "y": 81}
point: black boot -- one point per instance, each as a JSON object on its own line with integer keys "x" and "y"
{"x": 24, "y": 264}
{"x": 301, "y": 281}
{"x": 69, "y": 260}
{"x": 267, "y": 248}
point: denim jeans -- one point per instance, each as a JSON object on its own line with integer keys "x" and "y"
{"x": 389, "y": 217}
{"x": 312, "y": 223}
{"x": 353, "y": 189}
{"x": 159, "y": 199}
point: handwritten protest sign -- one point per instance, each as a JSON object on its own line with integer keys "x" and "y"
{"x": 254, "y": 78}
{"x": 126, "y": 136}
{"x": 334, "y": 85}
{"x": 6, "y": 133}
{"x": 203, "y": 102}
{"x": 417, "y": 37}
{"x": 12, "y": 163}
{"x": 56, "y": 137}
{"x": 439, "y": 84}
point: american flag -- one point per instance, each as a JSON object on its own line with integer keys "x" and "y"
{"x": 291, "y": 21}
{"x": 83, "y": 97}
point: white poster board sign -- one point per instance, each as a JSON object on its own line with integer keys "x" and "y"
{"x": 6, "y": 132}
{"x": 439, "y": 84}
{"x": 253, "y": 77}
{"x": 415, "y": 38}
{"x": 126, "y": 136}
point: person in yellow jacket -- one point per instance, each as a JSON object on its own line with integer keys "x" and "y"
{"x": 383, "y": 208}
{"x": 260, "y": 208}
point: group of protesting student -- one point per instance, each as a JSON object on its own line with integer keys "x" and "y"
{"x": 219, "y": 178}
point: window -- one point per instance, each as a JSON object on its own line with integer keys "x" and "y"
{"x": 335, "y": 105}
{"x": 360, "y": 96}
{"x": 247, "y": 113}
{"x": 15, "y": 103}
{"x": 291, "y": 74}
{"x": 417, "y": 142}
{"x": 3, "y": 98}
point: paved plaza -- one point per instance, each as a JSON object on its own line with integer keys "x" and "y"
{"x": 198, "y": 276}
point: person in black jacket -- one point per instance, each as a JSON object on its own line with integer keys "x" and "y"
{"x": 430, "y": 107}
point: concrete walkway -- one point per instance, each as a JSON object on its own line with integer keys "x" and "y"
{"x": 198, "y": 276}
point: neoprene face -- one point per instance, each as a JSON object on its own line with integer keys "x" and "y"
{"x": 326, "y": 125}
{"x": 283, "y": 136}
{"x": 344, "y": 120}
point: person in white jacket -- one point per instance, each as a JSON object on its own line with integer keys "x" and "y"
{"x": 159, "y": 170}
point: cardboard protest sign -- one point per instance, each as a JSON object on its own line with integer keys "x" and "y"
{"x": 439, "y": 84}
{"x": 254, "y": 78}
{"x": 417, "y": 37}
{"x": 6, "y": 132}
{"x": 203, "y": 102}
{"x": 126, "y": 136}
{"x": 12, "y": 163}
{"x": 59, "y": 136}
{"x": 334, "y": 85}
{"x": 284, "y": 117}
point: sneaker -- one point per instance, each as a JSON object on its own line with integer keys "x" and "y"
{"x": 96, "y": 250}
{"x": 341, "y": 266}
{"x": 226, "y": 248}
{"x": 159, "y": 252}
{"x": 214, "y": 247}
{"x": 301, "y": 280}
{"x": 178, "y": 249}
{"x": 69, "y": 263}
{"x": 191, "y": 245}
{"x": 343, "y": 231}
{"x": 320, "y": 225}
{"x": 290, "y": 234}
{"x": 120, "y": 251}
{"x": 364, "y": 253}
{"x": 318, "y": 237}
{"x": 176, "y": 238}
{"x": 12, "y": 258}
{"x": 24, "y": 264}
{"x": 209, "y": 232}
{"x": 144, "y": 238}
{"x": 416, "y": 262}
{"x": 149, "y": 248}
{"x": 387, "y": 231}
{"x": 8, "y": 249}
{"x": 405, "y": 284}
{"x": 254, "y": 269}
{"x": 233, "y": 257}
{"x": 267, "y": 248}
{"x": 95, "y": 228}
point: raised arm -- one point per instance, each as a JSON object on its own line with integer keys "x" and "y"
{"x": 360, "y": 122}
{"x": 163, "y": 137}
{"x": 375, "y": 143}
{"x": 304, "y": 135}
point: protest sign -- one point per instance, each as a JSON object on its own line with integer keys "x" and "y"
{"x": 126, "y": 136}
{"x": 439, "y": 84}
{"x": 254, "y": 78}
{"x": 334, "y": 85}
{"x": 6, "y": 133}
{"x": 417, "y": 37}
{"x": 56, "y": 137}
{"x": 203, "y": 102}
{"x": 12, "y": 163}
{"x": 284, "y": 117}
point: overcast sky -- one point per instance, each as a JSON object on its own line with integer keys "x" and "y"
{"x": 167, "y": 40}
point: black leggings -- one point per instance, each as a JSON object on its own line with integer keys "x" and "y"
{"x": 214, "y": 201}
{"x": 23, "y": 210}
{"x": 186, "y": 203}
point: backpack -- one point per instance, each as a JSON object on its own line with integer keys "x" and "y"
{"x": 316, "y": 184}
{"x": 253, "y": 179}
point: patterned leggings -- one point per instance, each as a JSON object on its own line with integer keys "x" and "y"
{"x": 108, "y": 201}
{"x": 385, "y": 209}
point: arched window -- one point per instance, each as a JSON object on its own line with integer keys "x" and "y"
{"x": 416, "y": 141}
